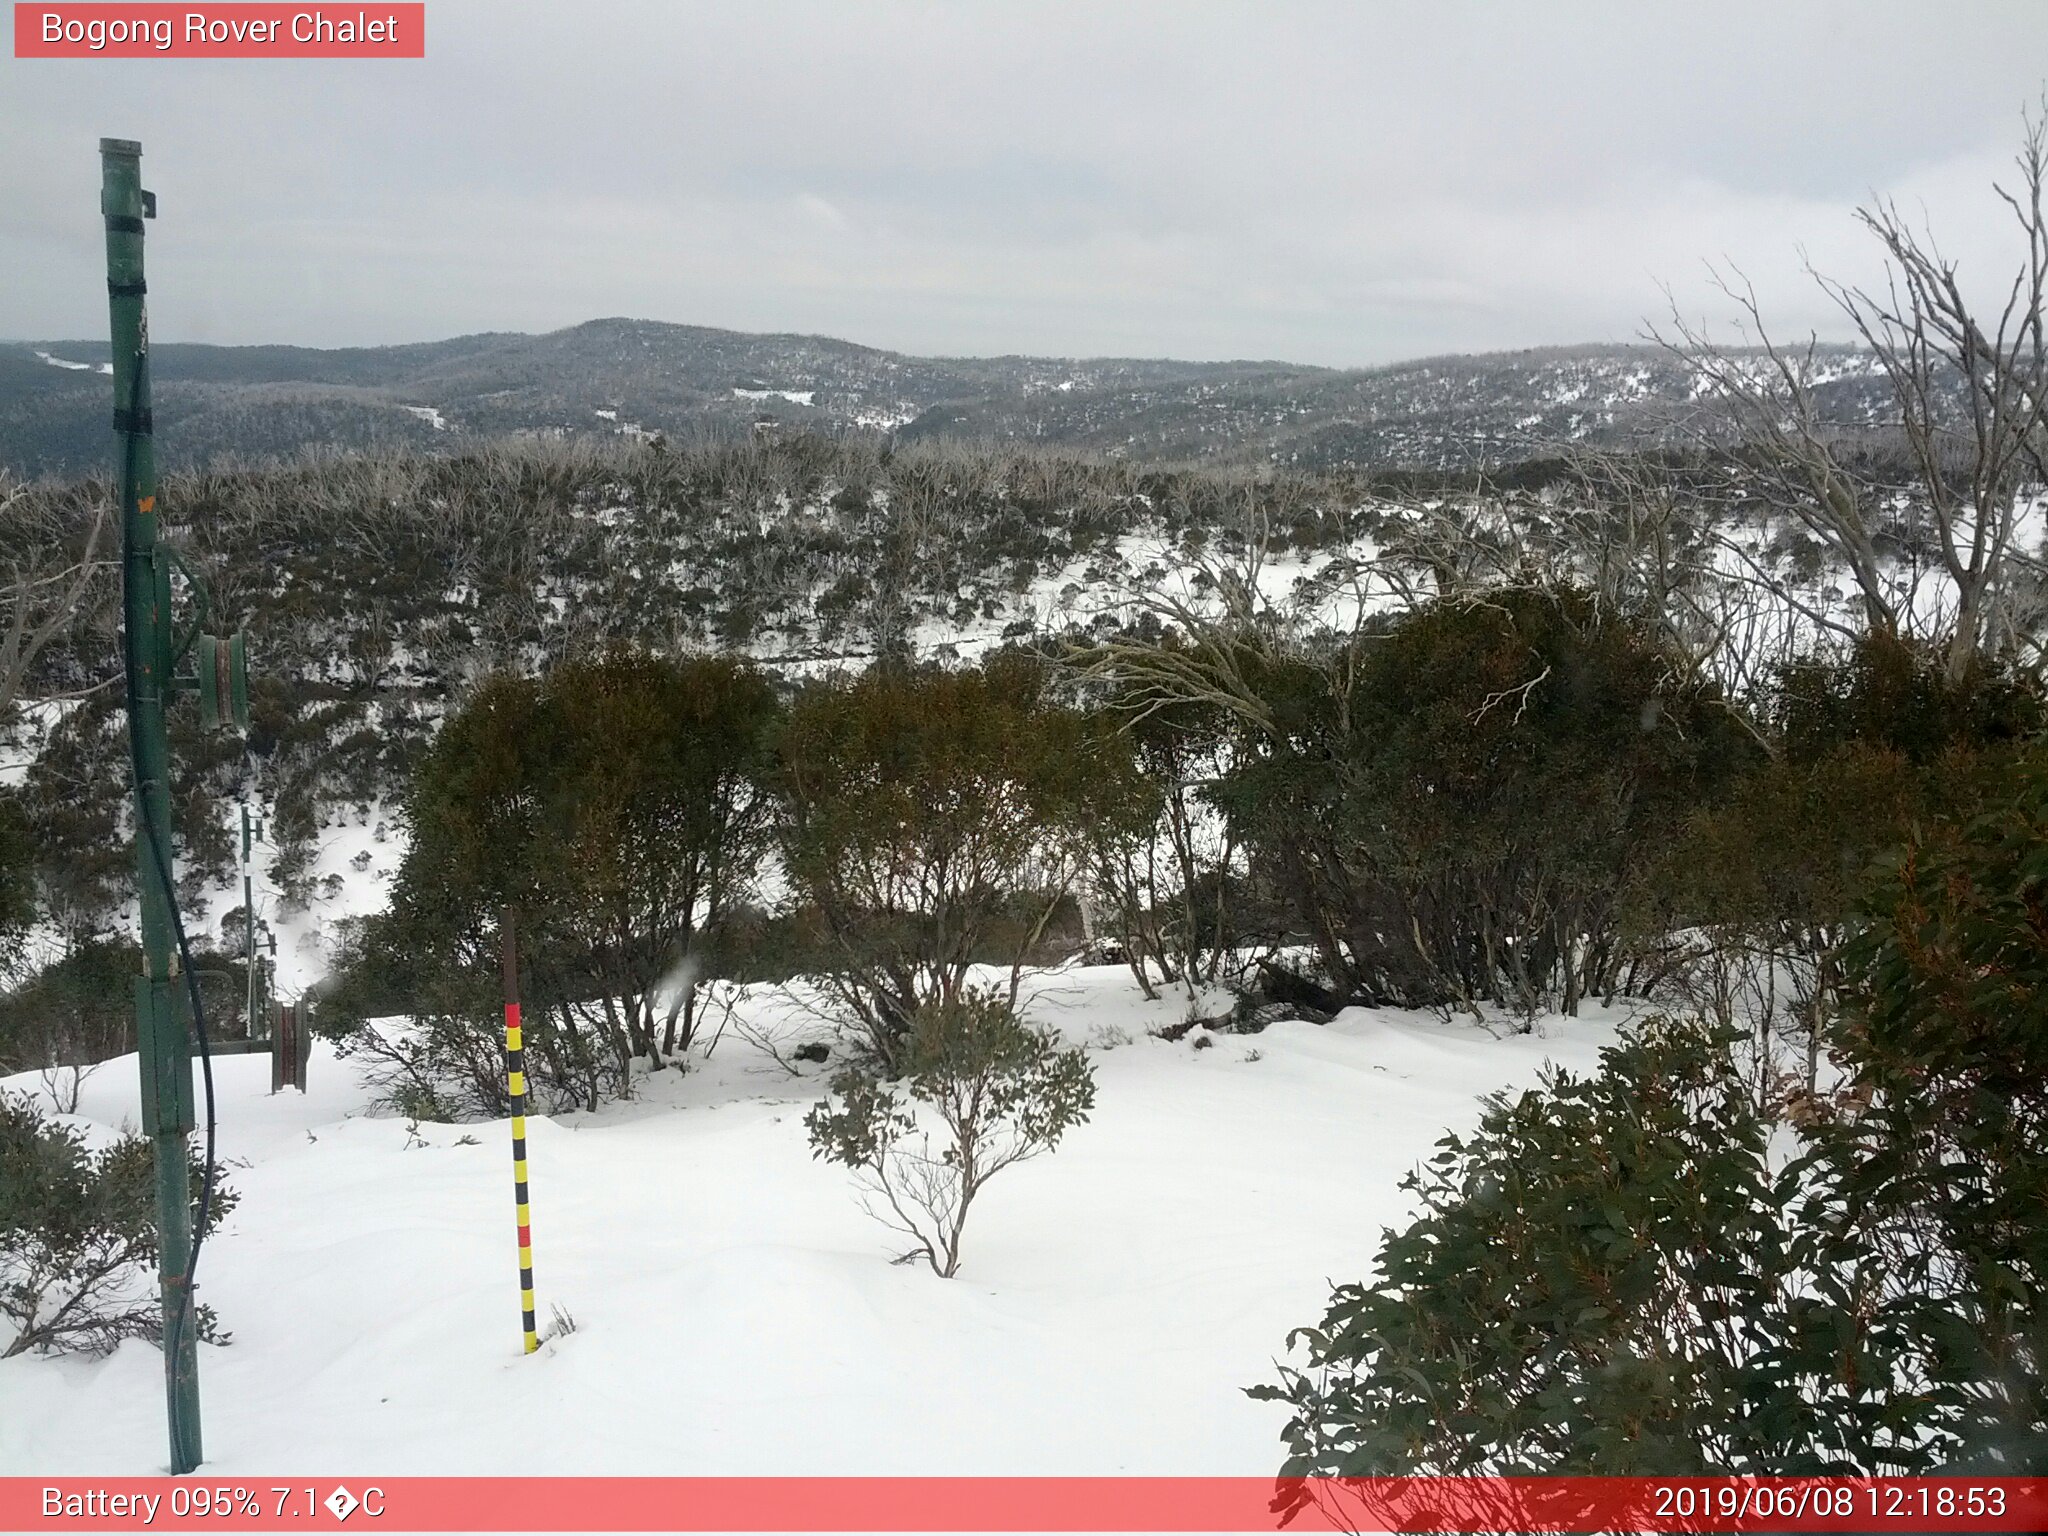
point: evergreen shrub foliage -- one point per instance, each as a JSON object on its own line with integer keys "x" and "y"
{"x": 78, "y": 1237}
{"x": 932, "y": 820}
{"x": 618, "y": 808}
{"x": 1457, "y": 805}
{"x": 1643, "y": 1272}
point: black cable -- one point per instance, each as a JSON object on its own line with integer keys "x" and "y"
{"x": 146, "y": 812}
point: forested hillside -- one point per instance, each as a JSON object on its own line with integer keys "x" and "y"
{"x": 376, "y": 588}
{"x": 622, "y": 377}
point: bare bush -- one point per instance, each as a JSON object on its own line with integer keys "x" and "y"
{"x": 1000, "y": 1091}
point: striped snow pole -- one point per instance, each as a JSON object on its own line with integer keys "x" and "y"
{"x": 515, "y": 1083}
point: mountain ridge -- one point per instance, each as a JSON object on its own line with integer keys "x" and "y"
{"x": 621, "y": 375}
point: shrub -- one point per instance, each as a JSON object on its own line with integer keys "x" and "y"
{"x": 1740, "y": 912}
{"x": 70, "y": 805}
{"x": 17, "y": 879}
{"x": 1001, "y": 1092}
{"x": 78, "y": 1237}
{"x": 1611, "y": 1276}
{"x": 1890, "y": 693}
{"x": 1764, "y": 883}
{"x": 1597, "y": 1285}
{"x": 1455, "y": 806}
{"x": 936, "y": 819}
{"x": 437, "y": 963}
{"x": 79, "y": 1009}
{"x": 1937, "y": 1153}
{"x": 619, "y": 807}
{"x": 1162, "y": 870}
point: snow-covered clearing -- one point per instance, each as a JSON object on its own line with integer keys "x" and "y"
{"x": 735, "y": 1311}
{"x": 61, "y": 362}
{"x": 886, "y": 418}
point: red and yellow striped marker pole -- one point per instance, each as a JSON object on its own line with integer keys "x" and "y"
{"x": 515, "y": 1083}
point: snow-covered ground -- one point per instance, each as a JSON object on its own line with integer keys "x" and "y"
{"x": 735, "y": 1311}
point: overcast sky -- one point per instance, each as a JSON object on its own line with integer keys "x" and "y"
{"x": 1326, "y": 183}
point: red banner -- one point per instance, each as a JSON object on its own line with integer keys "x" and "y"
{"x": 1195, "y": 1504}
{"x": 102, "y": 31}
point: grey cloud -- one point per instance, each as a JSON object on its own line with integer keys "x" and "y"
{"x": 1332, "y": 183}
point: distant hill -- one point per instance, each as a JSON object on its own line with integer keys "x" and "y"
{"x": 640, "y": 376}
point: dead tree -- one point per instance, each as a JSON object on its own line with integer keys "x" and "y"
{"x": 1970, "y": 391}
{"x": 1977, "y": 455}
{"x": 44, "y": 578}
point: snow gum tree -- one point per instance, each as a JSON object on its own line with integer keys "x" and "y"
{"x": 932, "y": 820}
{"x": 618, "y": 806}
{"x": 1967, "y": 369}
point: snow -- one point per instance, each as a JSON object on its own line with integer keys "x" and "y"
{"x": 59, "y": 362}
{"x": 793, "y": 396}
{"x": 735, "y": 1311}
{"x": 429, "y": 415}
{"x": 22, "y": 739}
{"x": 304, "y": 947}
{"x": 631, "y": 429}
{"x": 887, "y": 418}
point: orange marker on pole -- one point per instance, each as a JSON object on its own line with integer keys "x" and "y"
{"x": 515, "y": 1083}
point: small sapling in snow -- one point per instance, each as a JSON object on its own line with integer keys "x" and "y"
{"x": 1000, "y": 1091}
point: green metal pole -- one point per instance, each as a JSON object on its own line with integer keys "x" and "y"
{"x": 162, "y": 1031}
{"x": 248, "y": 928}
